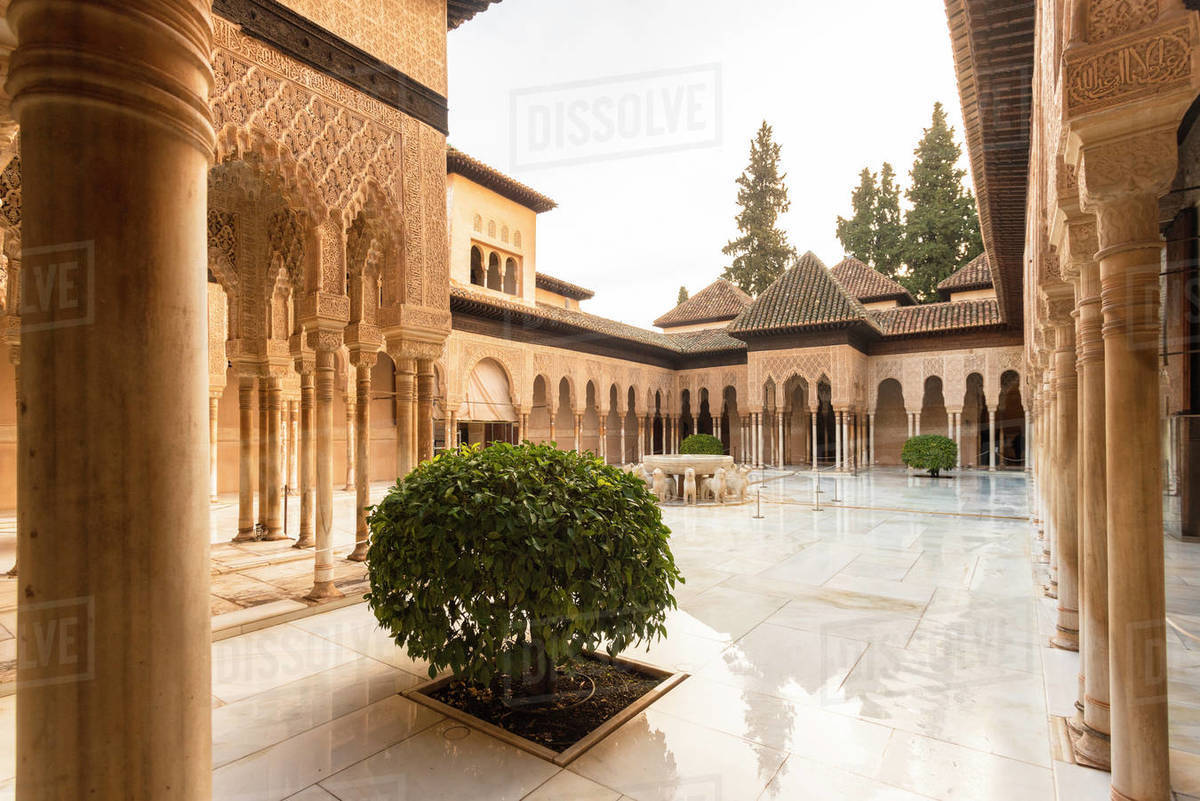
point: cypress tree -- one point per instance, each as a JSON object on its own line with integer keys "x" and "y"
{"x": 761, "y": 252}
{"x": 683, "y": 296}
{"x": 942, "y": 225}
{"x": 857, "y": 234}
{"x": 889, "y": 225}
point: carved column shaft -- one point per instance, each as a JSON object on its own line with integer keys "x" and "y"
{"x": 1067, "y": 508}
{"x": 274, "y": 485}
{"x": 113, "y": 478}
{"x": 308, "y": 455}
{"x": 363, "y": 362}
{"x": 425, "y": 388}
{"x": 213, "y": 402}
{"x": 405, "y": 436}
{"x": 325, "y": 343}
{"x": 246, "y": 385}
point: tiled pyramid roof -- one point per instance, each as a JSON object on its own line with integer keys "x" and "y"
{"x": 867, "y": 284}
{"x": 720, "y": 300}
{"x": 806, "y": 296}
{"x": 977, "y": 274}
{"x": 931, "y": 318}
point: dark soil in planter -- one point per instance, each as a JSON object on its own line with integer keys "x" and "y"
{"x": 572, "y": 714}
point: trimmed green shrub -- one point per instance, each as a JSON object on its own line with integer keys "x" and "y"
{"x": 509, "y": 559}
{"x": 931, "y": 452}
{"x": 703, "y": 444}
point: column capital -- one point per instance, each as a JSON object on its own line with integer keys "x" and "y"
{"x": 325, "y": 340}
{"x": 363, "y": 358}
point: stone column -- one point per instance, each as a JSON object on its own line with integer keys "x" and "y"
{"x": 264, "y": 452}
{"x": 307, "y": 456}
{"x": 917, "y": 423}
{"x": 274, "y": 479}
{"x": 992, "y": 438}
{"x": 1092, "y": 726}
{"x": 350, "y": 449}
{"x": 294, "y": 444}
{"x": 1067, "y": 510}
{"x": 759, "y": 456}
{"x": 1121, "y": 182}
{"x": 246, "y": 386}
{"x": 213, "y": 442}
{"x": 837, "y": 457}
{"x": 956, "y": 435}
{"x": 452, "y": 429}
{"x": 553, "y": 425}
{"x": 624, "y": 452}
{"x": 641, "y": 440}
{"x": 117, "y": 138}
{"x": 910, "y": 424}
{"x": 426, "y": 380}
{"x": 603, "y": 446}
{"x": 781, "y": 456}
{"x": 871, "y": 460}
{"x": 326, "y": 344}
{"x": 1026, "y": 450}
{"x": 363, "y": 362}
{"x": 405, "y": 380}
{"x": 578, "y": 433}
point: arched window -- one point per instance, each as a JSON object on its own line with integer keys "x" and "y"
{"x": 478, "y": 224}
{"x": 478, "y": 277}
{"x": 504, "y": 233}
{"x": 510, "y": 276}
{"x": 516, "y": 239}
{"x": 492, "y": 228}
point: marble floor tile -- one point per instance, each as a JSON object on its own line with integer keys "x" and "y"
{"x": 723, "y": 613}
{"x": 448, "y": 762}
{"x": 568, "y": 786}
{"x": 252, "y": 663}
{"x": 797, "y": 665}
{"x": 810, "y": 780}
{"x": 809, "y": 731}
{"x": 814, "y": 565}
{"x": 948, "y": 772}
{"x": 243, "y": 727}
{"x": 659, "y": 757}
{"x": 294, "y": 764}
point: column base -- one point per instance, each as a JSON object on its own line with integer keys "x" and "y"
{"x": 324, "y": 591}
{"x": 275, "y": 535}
{"x": 359, "y": 554}
{"x": 306, "y": 541}
{"x": 246, "y": 535}
{"x": 1065, "y": 639}
{"x": 1050, "y": 591}
{"x": 1092, "y": 749}
{"x": 348, "y": 488}
{"x": 12, "y": 571}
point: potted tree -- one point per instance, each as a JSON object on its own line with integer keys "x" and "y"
{"x": 931, "y": 452}
{"x": 702, "y": 444}
{"x": 506, "y": 564}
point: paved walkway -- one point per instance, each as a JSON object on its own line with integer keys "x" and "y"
{"x": 892, "y": 646}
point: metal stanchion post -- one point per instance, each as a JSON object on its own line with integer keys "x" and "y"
{"x": 758, "y": 515}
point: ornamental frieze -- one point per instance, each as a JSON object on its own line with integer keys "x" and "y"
{"x": 1109, "y": 18}
{"x": 1125, "y": 70}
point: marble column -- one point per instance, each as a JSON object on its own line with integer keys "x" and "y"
{"x": 363, "y": 362}
{"x": 641, "y": 439}
{"x": 274, "y": 479}
{"x": 553, "y": 425}
{"x": 1067, "y": 509}
{"x": 992, "y": 439}
{"x": 426, "y": 382}
{"x": 1026, "y": 450}
{"x": 307, "y": 538}
{"x": 916, "y": 424}
{"x": 213, "y": 442}
{"x": 264, "y": 453}
{"x": 837, "y": 451}
{"x": 405, "y": 435}
{"x": 1092, "y": 728}
{"x": 603, "y": 446}
{"x": 910, "y": 424}
{"x": 871, "y": 438}
{"x": 452, "y": 430}
{"x": 246, "y": 386}
{"x": 294, "y": 445}
{"x": 1130, "y": 258}
{"x": 350, "y": 449}
{"x": 781, "y": 457}
{"x": 326, "y": 344}
{"x": 624, "y": 452}
{"x": 759, "y": 456}
{"x": 115, "y": 668}
{"x": 578, "y": 433}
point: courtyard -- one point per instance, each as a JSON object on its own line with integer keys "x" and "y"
{"x": 893, "y": 645}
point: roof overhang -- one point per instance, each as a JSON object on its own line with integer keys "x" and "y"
{"x": 993, "y": 43}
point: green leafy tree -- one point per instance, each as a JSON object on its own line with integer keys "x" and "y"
{"x": 857, "y": 234}
{"x": 942, "y": 225}
{"x": 931, "y": 452}
{"x": 702, "y": 444}
{"x": 761, "y": 252}
{"x": 889, "y": 225}
{"x": 513, "y": 560}
{"x": 683, "y": 295}
{"x": 875, "y": 234}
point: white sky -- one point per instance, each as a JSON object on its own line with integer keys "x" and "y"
{"x": 845, "y": 85}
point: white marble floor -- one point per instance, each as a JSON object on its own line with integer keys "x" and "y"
{"x": 892, "y": 647}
